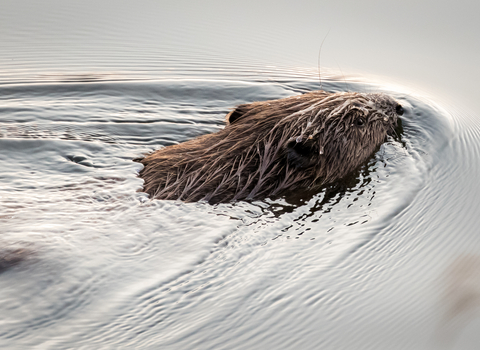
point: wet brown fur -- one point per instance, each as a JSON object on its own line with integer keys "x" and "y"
{"x": 274, "y": 146}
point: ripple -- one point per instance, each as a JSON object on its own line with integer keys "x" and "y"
{"x": 123, "y": 271}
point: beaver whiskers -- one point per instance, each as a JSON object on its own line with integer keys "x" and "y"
{"x": 274, "y": 146}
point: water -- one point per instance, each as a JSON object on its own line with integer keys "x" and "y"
{"x": 388, "y": 261}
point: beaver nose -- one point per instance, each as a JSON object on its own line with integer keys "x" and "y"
{"x": 399, "y": 109}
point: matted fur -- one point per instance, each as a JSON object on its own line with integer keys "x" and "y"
{"x": 273, "y": 146}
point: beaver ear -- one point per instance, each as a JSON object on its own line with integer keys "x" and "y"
{"x": 301, "y": 154}
{"x": 237, "y": 113}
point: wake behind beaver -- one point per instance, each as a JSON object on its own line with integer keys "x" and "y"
{"x": 271, "y": 147}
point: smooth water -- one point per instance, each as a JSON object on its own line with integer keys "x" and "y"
{"x": 390, "y": 260}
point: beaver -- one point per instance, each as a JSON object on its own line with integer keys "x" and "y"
{"x": 272, "y": 147}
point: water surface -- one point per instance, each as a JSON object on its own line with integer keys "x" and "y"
{"x": 389, "y": 260}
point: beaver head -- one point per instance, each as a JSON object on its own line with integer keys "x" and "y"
{"x": 274, "y": 146}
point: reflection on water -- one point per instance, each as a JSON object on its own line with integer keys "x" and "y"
{"x": 125, "y": 271}
{"x": 461, "y": 298}
{"x": 10, "y": 257}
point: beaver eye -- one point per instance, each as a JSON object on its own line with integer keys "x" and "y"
{"x": 360, "y": 121}
{"x": 399, "y": 109}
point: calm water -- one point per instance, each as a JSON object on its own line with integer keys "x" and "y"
{"x": 390, "y": 260}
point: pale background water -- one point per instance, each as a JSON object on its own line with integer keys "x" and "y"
{"x": 390, "y": 262}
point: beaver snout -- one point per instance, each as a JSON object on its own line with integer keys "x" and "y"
{"x": 399, "y": 109}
